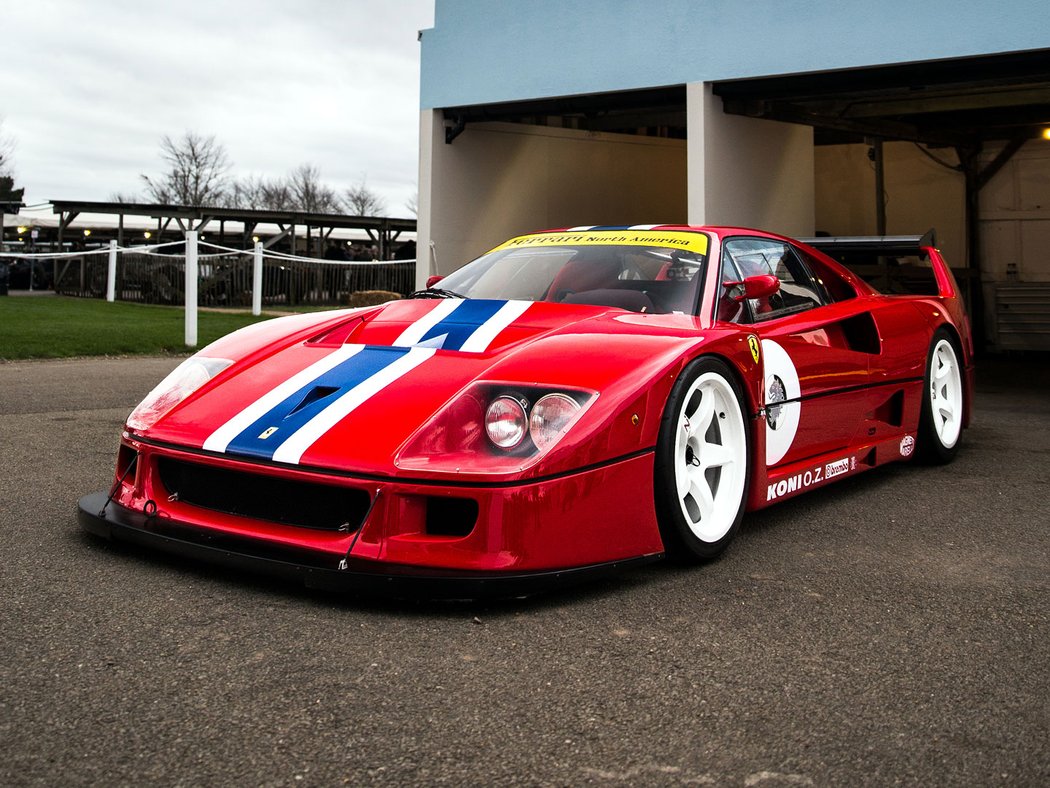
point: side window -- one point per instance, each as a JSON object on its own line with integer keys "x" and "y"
{"x": 756, "y": 256}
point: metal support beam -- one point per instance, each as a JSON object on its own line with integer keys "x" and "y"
{"x": 453, "y": 131}
{"x": 880, "y": 186}
{"x": 279, "y": 237}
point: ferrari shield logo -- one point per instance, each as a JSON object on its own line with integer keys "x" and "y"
{"x": 267, "y": 433}
{"x": 752, "y": 342}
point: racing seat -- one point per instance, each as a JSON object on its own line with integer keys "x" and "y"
{"x": 585, "y": 271}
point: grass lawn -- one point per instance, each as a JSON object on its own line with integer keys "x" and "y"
{"x": 60, "y": 327}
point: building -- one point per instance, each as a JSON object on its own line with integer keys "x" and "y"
{"x": 799, "y": 117}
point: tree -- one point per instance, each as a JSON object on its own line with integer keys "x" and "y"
{"x": 258, "y": 193}
{"x": 197, "y": 173}
{"x": 359, "y": 200}
{"x": 308, "y": 193}
{"x": 7, "y": 147}
{"x": 412, "y": 204}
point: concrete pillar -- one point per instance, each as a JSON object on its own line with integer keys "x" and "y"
{"x": 747, "y": 172}
{"x": 431, "y": 135}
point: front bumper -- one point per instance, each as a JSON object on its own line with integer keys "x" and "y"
{"x": 520, "y": 537}
{"x": 115, "y": 522}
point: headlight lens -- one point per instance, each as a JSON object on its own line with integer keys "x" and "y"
{"x": 551, "y": 416}
{"x": 185, "y": 379}
{"x": 505, "y": 422}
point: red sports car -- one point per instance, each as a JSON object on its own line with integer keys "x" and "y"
{"x": 572, "y": 401}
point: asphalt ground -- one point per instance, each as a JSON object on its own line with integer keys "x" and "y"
{"x": 889, "y": 629}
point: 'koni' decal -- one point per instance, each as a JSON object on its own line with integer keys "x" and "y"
{"x": 797, "y": 482}
{"x": 284, "y": 423}
{"x": 466, "y": 325}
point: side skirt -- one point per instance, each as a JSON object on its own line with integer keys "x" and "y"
{"x": 785, "y": 482}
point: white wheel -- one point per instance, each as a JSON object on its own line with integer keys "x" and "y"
{"x": 940, "y": 425}
{"x": 702, "y": 461}
{"x": 946, "y": 394}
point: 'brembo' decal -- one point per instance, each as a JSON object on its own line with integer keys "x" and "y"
{"x": 797, "y": 482}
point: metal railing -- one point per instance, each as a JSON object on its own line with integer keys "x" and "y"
{"x": 180, "y": 274}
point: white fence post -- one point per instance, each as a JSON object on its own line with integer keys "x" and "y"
{"x": 257, "y": 271}
{"x": 191, "y": 288}
{"x": 111, "y": 274}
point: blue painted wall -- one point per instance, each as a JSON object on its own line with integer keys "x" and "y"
{"x": 482, "y": 51}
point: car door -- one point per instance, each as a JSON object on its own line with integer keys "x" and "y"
{"x": 816, "y": 370}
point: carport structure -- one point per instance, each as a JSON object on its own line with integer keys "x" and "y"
{"x": 177, "y": 219}
{"x": 835, "y": 120}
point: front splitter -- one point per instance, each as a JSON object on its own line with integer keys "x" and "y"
{"x": 107, "y": 519}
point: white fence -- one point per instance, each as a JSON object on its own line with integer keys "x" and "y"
{"x": 196, "y": 273}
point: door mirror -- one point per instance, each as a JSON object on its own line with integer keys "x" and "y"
{"x": 761, "y": 286}
{"x": 433, "y": 280}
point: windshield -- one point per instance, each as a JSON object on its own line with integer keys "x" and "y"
{"x": 639, "y": 278}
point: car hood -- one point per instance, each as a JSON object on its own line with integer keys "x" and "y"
{"x": 347, "y": 391}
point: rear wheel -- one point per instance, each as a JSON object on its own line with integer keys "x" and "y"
{"x": 702, "y": 462}
{"x": 940, "y": 425}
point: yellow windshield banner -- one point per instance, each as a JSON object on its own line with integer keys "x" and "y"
{"x": 692, "y": 242}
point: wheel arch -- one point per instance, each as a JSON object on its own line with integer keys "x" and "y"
{"x": 955, "y": 337}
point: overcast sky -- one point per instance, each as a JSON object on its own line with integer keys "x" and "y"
{"x": 89, "y": 88}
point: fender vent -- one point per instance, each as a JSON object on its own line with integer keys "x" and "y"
{"x": 261, "y": 497}
{"x": 861, "y": 334}
{"x": 891, "y": 411}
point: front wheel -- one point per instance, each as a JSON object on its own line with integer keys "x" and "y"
{"x": 701, "y": 469}
{"x": 940, "y": 423}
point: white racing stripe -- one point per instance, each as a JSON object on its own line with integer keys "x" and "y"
{"x": 479, "y": 341}
{"x": 415, "y": 332}
{"x": 220, "y": 439}
{"x": 292, "y": 450}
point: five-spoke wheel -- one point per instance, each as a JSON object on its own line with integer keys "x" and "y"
{"x": 702, "y": 461}
{"x": 942, "y": 406}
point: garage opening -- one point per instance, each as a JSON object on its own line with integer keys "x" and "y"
{"x": 962, "y": 145}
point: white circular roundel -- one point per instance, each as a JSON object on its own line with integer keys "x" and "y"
{"x": 782, "y": 393}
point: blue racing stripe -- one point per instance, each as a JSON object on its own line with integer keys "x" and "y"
{"x": 461, "y": 323}
{"x": 288, "y": 416}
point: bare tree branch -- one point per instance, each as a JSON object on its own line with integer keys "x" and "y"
{"x": 359, "y": 200}
{"x": 7, "y": 147}
{"x": 308, "y": 193}
{"x": 197, "y": 173}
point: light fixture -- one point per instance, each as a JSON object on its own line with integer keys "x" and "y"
{"x": 255, "y": 239}
{"x": 147, "y": 235}
{"x": 1046, "y": 133}
{"x": 87, "y": 233}
{"x": 22, "y": 230}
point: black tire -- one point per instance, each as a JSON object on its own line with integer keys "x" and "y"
{"x": 943, "y": 401}
{"x": 684, "y": 450}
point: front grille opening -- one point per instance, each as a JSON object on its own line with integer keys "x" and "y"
{"x": 125, "y": 456}
{"x": 286, "y": 501}
{"x": 451, "y": 516}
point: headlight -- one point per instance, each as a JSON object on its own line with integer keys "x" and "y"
{"x": 551, "y": 416}
{"x": 494, "y": 427}
{"x": 185, "y": 379}
{"x": 505, "y": 422}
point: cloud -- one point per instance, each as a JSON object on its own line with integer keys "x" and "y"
{"x": 92, "y": 87}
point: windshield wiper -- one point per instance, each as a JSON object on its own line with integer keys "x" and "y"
{"x": 435, "y": 292}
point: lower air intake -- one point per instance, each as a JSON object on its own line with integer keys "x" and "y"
{"x": 286, "y": 501}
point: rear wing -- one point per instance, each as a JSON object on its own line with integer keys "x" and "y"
{"x": 892, "y": 264}
{"x": 879, "y": 245}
